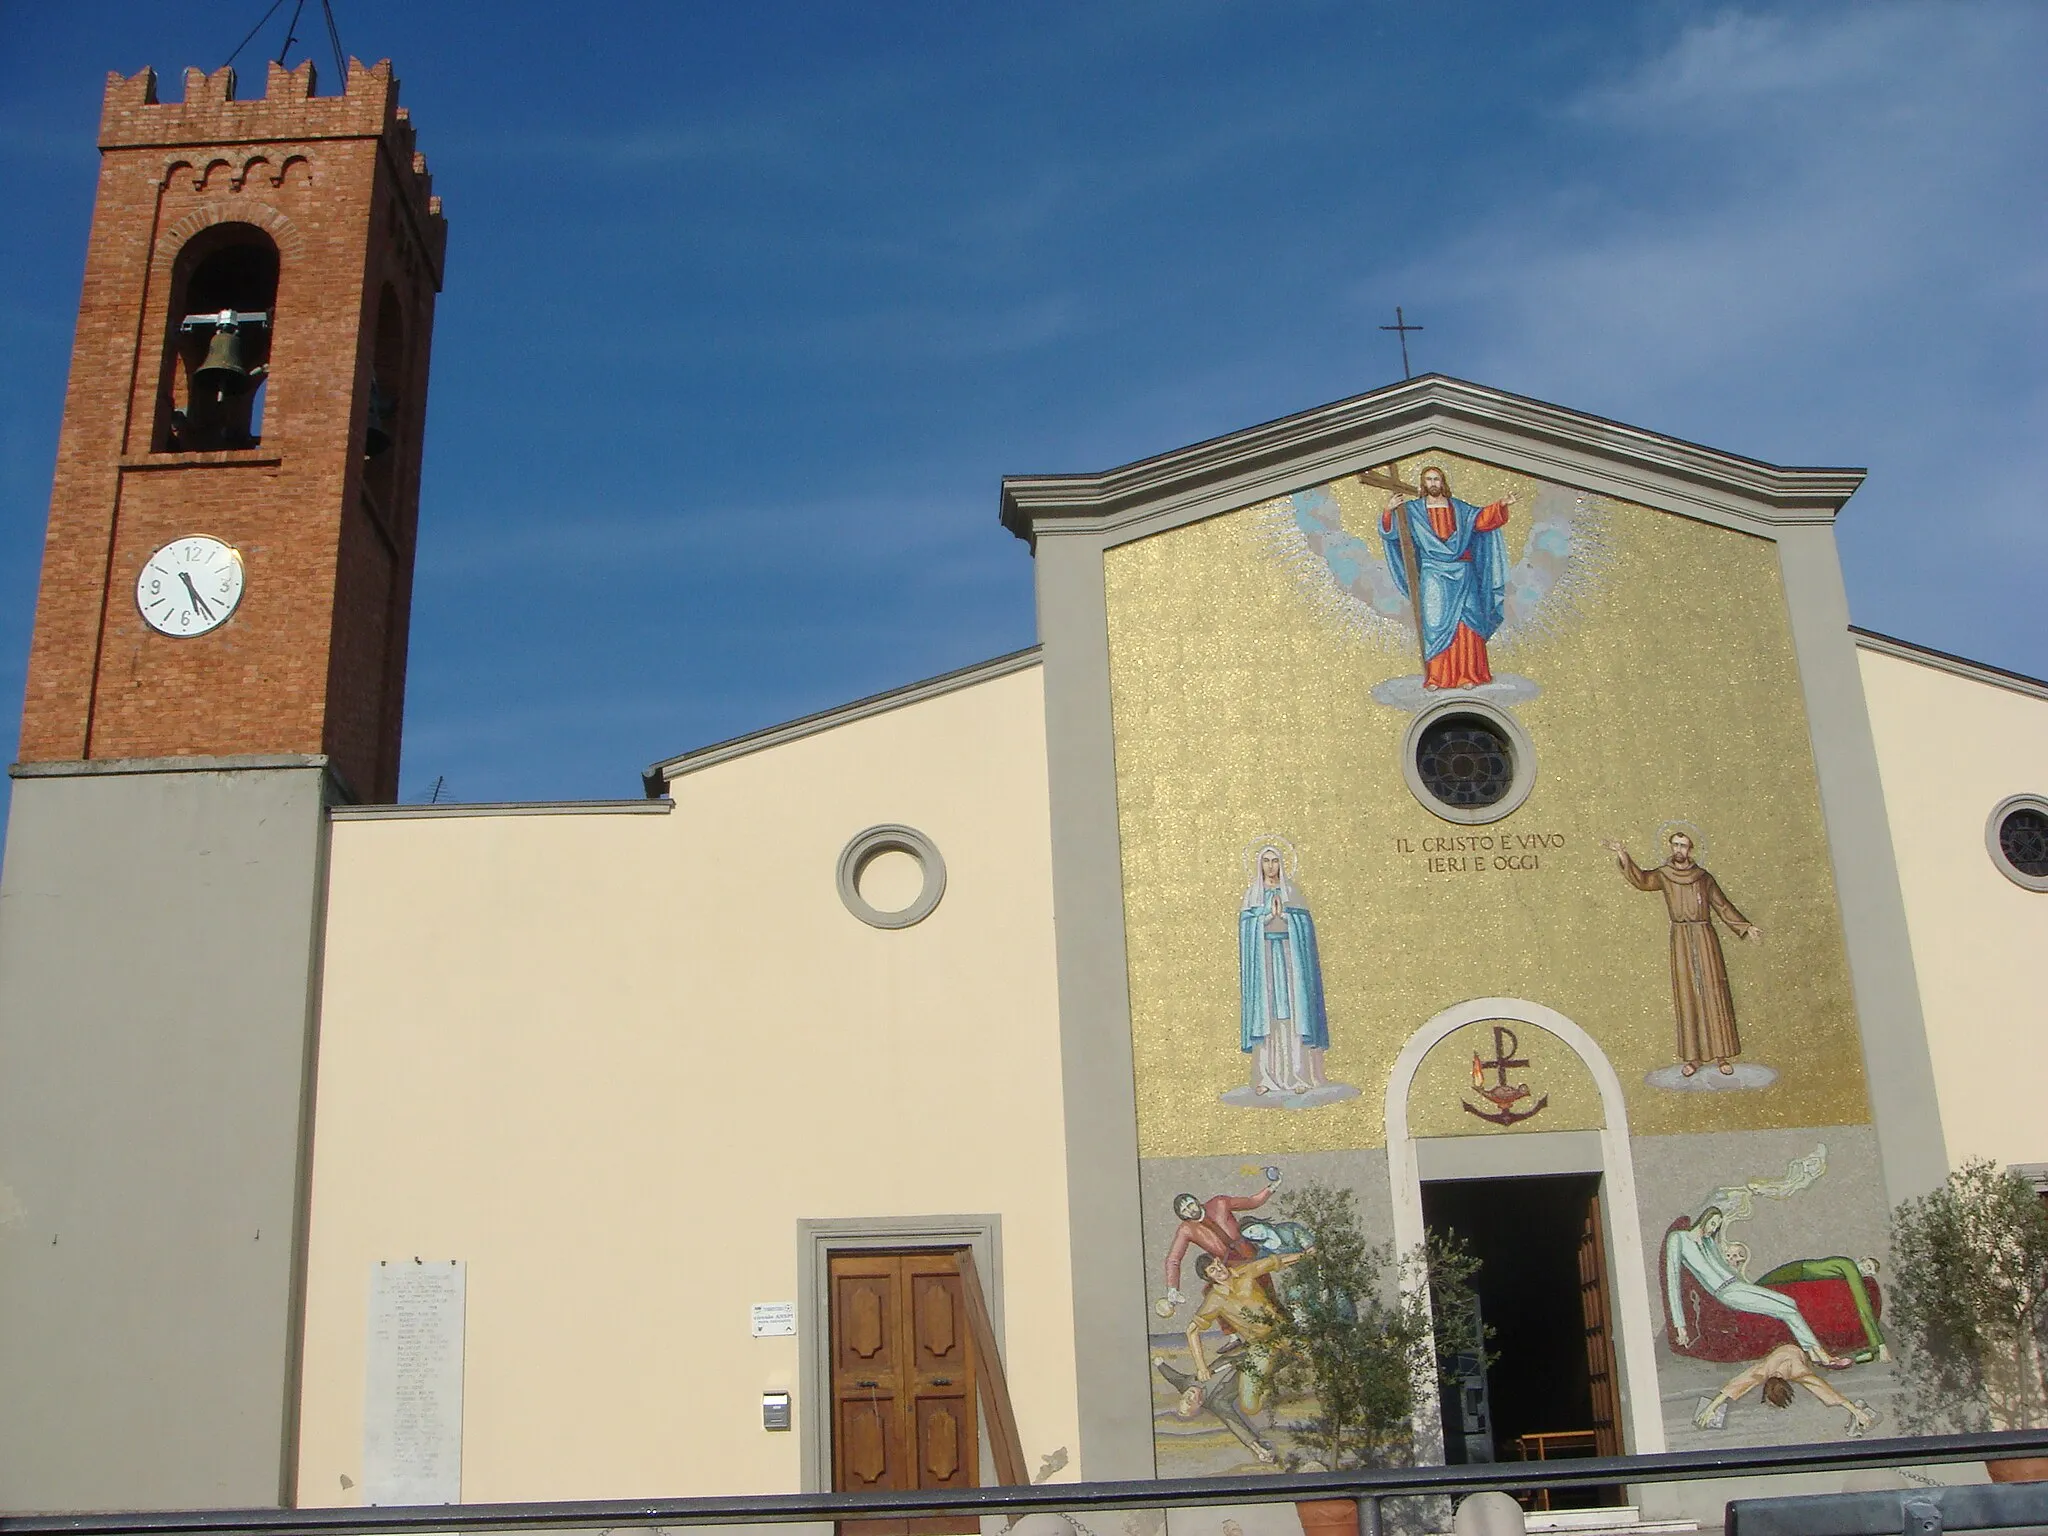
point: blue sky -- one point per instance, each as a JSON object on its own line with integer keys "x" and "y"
{"x": 750, "y": 306}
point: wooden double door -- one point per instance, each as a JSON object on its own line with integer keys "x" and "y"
{"x": 905, "y": 1376}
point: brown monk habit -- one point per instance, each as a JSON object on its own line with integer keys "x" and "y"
{"x": 1699, "y": 974}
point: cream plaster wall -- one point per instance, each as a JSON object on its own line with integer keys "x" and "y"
{"x": 611, "y": 1060}
{"x": 1950, "y": 748}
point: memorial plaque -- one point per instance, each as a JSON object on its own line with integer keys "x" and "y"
{"x": 412, "y": 1403}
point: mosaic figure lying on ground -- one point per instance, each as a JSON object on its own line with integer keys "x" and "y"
{"x": 1778, "y": 1373}
{"x": 1236, "y": 1298}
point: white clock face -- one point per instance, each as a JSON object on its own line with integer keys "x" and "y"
{"x": 190, "y": 586}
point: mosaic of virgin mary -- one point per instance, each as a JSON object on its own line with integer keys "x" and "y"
{"x": 1283, "y": 1023}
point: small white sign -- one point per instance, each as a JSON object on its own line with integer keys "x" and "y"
{"x": 774, "y": 1319}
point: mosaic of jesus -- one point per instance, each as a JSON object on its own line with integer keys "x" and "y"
{"x": 1454, "y": 551}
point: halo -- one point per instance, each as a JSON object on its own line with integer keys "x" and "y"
{"x": 1287, "y": 849}
{"x": 1691, "y": 829}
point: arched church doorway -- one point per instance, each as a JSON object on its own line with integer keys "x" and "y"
{"x": 1542, "y": 1289}
{"x": 1552, "y": 1216}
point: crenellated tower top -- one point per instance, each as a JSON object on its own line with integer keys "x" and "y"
{"x": 288, "y": 112}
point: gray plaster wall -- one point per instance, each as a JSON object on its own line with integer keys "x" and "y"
{"x": 1897, "y": 1062}
{"x": 1104, "y": 1208}
{"x": 159, "y": 936}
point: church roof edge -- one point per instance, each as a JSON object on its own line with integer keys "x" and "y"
{"x": 657, "y": 777}
{"x": 1310, "y": 440}
{"x": 1948, "y": 661}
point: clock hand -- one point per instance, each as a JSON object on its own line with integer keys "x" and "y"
{"x": 197, "y": 601}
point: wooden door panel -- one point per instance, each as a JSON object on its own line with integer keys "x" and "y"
{"x": 1594, "y": 1307}
{"x": 938, "y": 1330}
{"x": 866, "y": 1445}
{"x": 865, "y": 1315}
{"x": 947, "y": 1448}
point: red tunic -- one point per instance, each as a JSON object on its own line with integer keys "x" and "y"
{"x": 1462, "y": 663}
{"x": 1215, "y": 1233}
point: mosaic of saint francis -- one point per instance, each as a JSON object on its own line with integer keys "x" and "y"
{"x": 1702, "y": 1002}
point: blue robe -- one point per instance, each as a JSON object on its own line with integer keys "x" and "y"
{"x": 1464, "y": 577}
{"x": 1279, "y": 976}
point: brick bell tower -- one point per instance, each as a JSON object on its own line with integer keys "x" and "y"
{"x": 291, "y": 434}
{"x": 219, "y": 655}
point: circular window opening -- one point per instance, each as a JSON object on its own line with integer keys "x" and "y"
{"x": 1464, "y": 762}
{"x": 2017, "y": 837}
{"x": 1468, "y": 762}
{"x": 891, "y": 877}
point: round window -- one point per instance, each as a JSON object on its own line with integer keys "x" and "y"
{"x": 1464, "y": 762}
{"x": 2017, "y": 838}
{"x": 893, "y": 864}
{"x": 1468, "y": 762}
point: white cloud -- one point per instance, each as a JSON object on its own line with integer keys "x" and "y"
{"x": 1726, "y": 66}
{"x": 1834, "y": 203}
{"x": 1815, "y": 235}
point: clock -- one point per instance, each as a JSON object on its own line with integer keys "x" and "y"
{"x": 190, "y": 586}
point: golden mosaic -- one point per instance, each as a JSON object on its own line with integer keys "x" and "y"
{"x": 1501, "y": 1077}
{"x": 1294, "y": 914}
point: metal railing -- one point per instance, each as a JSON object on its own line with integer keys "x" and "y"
{"x": 1371, "y": 1488}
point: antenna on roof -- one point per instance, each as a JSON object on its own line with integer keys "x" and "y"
{"x": 291, "y": 35}
{"x": 260, "y": 21}
{"x": 291, "y": 32}
{"x": 334, "y": 40}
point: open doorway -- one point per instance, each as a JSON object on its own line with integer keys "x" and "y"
{"x": 1542, "y": 1288}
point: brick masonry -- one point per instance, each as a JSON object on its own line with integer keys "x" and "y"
{"x": 313, "y": 661}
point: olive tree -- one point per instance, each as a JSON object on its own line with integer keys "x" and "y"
{"x": 1363, "y": 1334}
{"x": 1970, "y": 1302}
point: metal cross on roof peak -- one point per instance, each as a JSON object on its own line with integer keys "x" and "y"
{"x": 1402, "y": 327}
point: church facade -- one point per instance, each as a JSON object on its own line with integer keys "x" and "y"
{"x": 1480, "y": 808}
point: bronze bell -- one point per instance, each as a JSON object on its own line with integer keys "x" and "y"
{"x": 377, "y": 435}
{"x": 224, "y": 372}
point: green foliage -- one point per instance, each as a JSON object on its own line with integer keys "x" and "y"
{"x": 1970, "y": 1302}
{"x": 1361, "y": 1345}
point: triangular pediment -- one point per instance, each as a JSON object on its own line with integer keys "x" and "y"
{"x": 1433, "y": 412}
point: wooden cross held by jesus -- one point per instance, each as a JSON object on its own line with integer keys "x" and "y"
{"x": 1386, "y": 479}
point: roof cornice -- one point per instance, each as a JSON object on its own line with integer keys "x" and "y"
{"x": 1945, "y": 661}
{"x": 657, "y": 777}
{"x": 445, "y": 810}
{"x": 1331, "y": 440}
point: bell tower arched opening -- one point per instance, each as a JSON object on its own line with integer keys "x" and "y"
{"x": 223, "y": 314}
{"x": 386, "y": 410}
